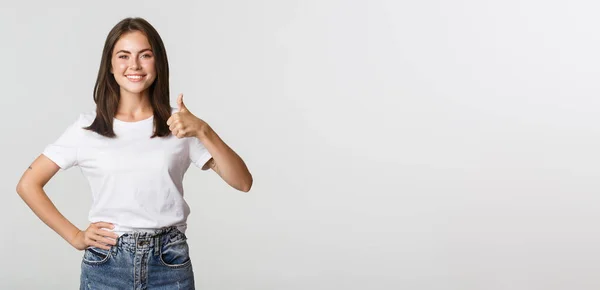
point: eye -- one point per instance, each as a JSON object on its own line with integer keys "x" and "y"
{"x": 146, "y": 56}
{"x": 123, "y": 56}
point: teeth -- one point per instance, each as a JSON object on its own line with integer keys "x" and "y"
{"x": 134, "y": 77}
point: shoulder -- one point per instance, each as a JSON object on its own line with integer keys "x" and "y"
{"x": 82, "y": 120}
{"x": 86, "y": 118}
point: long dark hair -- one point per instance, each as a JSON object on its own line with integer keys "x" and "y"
{"x": 106, "y": 90}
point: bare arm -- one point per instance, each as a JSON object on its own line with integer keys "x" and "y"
{"x": 30, "y": 189}
{"x": 225, "y": 162}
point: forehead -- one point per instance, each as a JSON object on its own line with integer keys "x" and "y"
{"x": 132, "y": 41}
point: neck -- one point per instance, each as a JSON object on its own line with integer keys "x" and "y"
{"x": 134, "y": 104}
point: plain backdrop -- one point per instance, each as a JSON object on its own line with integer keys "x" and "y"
{"x": 394, "y": 144}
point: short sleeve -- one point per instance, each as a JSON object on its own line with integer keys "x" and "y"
{"x": 199, "y": 155}
{"x": 63, "y": 151}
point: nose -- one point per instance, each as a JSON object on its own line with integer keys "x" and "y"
{"x": 135, "y": 63}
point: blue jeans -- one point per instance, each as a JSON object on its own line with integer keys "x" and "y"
{"x": 140, "y": 260}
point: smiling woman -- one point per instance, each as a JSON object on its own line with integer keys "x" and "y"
{"x": 133, "y": 63}
{"x": 134, "y": 149}
{"x": 134, "y": 60}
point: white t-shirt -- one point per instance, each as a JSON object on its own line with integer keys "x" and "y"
{"x": 136, "y": 181}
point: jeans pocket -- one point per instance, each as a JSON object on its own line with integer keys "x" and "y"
{"x": 95, "y": 256}
{"x": 175, "y": 254}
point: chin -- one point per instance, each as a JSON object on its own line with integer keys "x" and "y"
{"x": 134, "y": 90}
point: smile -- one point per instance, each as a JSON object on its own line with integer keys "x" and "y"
{"x": 135, "y": 78}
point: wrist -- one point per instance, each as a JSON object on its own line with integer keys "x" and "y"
{"x": 204, "y": 132}
{"x": 73, "y": 239}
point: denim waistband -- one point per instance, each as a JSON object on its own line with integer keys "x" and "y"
{"x": 139, "y": 241}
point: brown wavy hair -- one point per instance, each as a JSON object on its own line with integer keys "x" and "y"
{"x": 106, "y": 90}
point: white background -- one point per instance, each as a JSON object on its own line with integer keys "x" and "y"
{"x": 393, "y": 144}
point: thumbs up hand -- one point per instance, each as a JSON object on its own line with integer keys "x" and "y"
{"x": 180, "y": 103}
{"x": 183, "y": 123}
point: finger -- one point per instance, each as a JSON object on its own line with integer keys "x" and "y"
{"x": 103, "y": 225}
{"x": 106, "y": 240}
{"x": 107, "y": 234}
{"x": 95, "y": 237}
{"x": 182, "y": 106}
{"x": 109, "y": 241}
{"x": 173, "y": 118}
{"x": 99, "y": 245}
{"x": 103, "y": 236}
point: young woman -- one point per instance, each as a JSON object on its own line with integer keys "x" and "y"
{"x": 134, "y": 150}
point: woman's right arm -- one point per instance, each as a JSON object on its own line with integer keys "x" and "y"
{"x": 31, "y": 190}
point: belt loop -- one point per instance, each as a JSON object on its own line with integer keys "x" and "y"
{"x": 113, "y": 249}
{"x": 156, "y": 245}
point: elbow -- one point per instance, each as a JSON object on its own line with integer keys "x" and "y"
{"x": 24, "y": 187}
{"x": 21, "y": 188}
{"x": 247, "y": 185}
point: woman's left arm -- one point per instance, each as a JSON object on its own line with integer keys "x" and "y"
{"x": 225, "y": 161}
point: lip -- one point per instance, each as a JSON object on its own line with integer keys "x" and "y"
{"x": 135, "y": 77}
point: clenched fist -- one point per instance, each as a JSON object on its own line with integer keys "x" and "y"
{"x": 184, "y": 123}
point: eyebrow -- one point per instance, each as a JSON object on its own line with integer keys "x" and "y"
{"x": 126, "y": 51}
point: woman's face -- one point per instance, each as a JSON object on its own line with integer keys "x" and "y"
{"x": 133, "y": 63}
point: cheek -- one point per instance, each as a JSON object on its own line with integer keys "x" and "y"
{"x": 151, "y": 71}
{"x": 149, "y": 66}
{"x": 119, "y": 67}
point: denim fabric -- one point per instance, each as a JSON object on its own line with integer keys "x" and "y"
{"x": 140, "y": 260}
